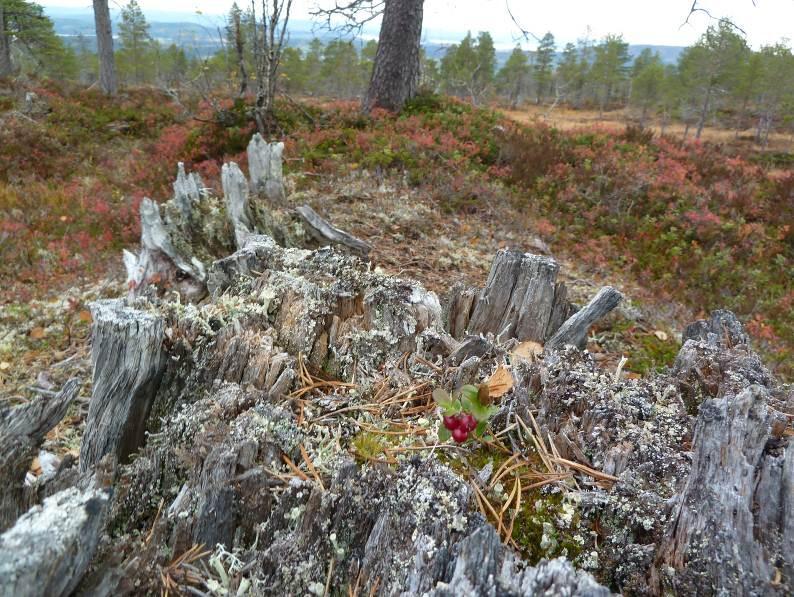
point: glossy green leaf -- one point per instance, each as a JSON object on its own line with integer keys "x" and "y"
{"x": 470, "y": 392}
{"x": 441, "y": 397}
{"x": 481, "y": 426}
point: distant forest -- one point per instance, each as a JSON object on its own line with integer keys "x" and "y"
{"x": 719, "y": 81}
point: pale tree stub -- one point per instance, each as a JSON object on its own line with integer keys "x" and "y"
{"x": 327, "y": 234}
{"x": 188, "y": 190}
{"x": 459, "y": 306}
{"x": 128, "y": 361}
{"x": 721, "y": 495}
{"x": 521, "y": 299}
{"x": 48, "y": 550}
{"x": 181, "y": 238}
{"x": 159, "y": 259}
{"x": 236, "y": 196}
{"x": 518, "y": 298}
{"x": 574, "y": 330}
{"x": 265, "y": 161}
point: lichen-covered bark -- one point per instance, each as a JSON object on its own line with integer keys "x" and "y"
{"x": 49, "y": 549}
{"x": 22, "y": 431}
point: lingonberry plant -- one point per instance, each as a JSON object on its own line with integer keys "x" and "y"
{"x": 464, "y": 414}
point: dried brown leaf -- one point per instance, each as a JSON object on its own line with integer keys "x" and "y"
{"x": 500, "y": 383}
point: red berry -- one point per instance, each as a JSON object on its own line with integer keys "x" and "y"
{"x": 460, "y": 435}
{"x": 451, "y": 423}
{"x": 469, "y": 423}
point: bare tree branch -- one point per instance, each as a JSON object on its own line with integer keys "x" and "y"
{"x": 354, "y": 14}
{"x": 526, "y": 34}
{"x": 697, "y": 8}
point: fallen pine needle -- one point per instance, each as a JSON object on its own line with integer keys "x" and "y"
{"x": 294, "y": 468}
{"x": 311, "y": 468}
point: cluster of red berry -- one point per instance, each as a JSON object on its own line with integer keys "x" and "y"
{"x": 460, "y": 426}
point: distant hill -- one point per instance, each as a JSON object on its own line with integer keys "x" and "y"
{"x": 201, "y": 34}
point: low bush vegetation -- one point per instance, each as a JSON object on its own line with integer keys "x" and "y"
{"x": 693, "y": 221}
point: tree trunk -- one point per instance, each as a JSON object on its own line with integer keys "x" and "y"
{"x": 104, "y": 40}
{"x": 703, "y": 113}
{"x": 239, "y": 47}
{"x": 395, "y": 76}
{"x": 6, "y": 68}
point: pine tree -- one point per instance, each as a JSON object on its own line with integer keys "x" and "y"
{"x": 467, "y": 68}
{"x": 27, "y": 38}
{"x": 610, "y": 69}
{"x": 512, "y": 77}
{"x": 293, "y": 71}
{"x": 135, "y": 40}
{"x": 711, "y": 69}
{"x": 647, "y": 82}
{"x": 544, "y": 66}
{"x": 340, "y": 68}
{"x": 486, "y": 62}
{"x": 236, "y": 42}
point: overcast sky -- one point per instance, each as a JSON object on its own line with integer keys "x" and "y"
{"x": 659, "y": 22}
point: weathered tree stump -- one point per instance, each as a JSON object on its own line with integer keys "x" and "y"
{"x": 181, "y": 238}
{"x": 459, "y": 306}
{"x": 128, "y": 360}
{"x": 265, "y": 164}
{"x": 22, "y": 431}
{"x": 522, "y": 299}
{"x": 712, "y": 540}
{"x": 519, "y": 298}
{"x": 732, "y": 528}
{"x": 235, "y": 192}
{"x": 721, "y": 329}
{"x": 255, "y": 400}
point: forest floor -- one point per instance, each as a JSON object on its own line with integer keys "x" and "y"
{"x": 436, "y": 191}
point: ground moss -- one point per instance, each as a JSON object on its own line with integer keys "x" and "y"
{"x": 547, "y": 525}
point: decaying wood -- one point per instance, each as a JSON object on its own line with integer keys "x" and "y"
{"x": 159, "y": 260}
{"x": 22, "y": 431}
{"x": 518, "y": 298}
{"x": 732, "y": 528}
{"x": 721, "y": 329}
{"x": 265, "y": 164}
{"x": 574, "y": 330}
{"x": 128, "y": 360}
{"x": 325, "y": 234}
{"x": 711, "y": 538}
{"x": 188, "y": 190}
{"x": 235, "y": 192}
{"x": 460, "y": 304}
{"x": 327, "y": 320}
{"x": 181, "y": 238}
{"x": 49, "y": 549}
{"x": 522, "y": 299}
{"x": 482, "y": 562}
